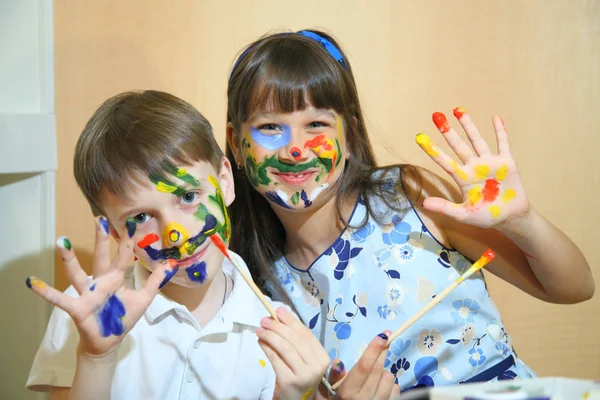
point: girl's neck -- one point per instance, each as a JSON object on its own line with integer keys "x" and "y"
{"x": 310, "y": 233}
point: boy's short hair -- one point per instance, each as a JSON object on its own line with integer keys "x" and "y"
{"x": 135, "y": 134}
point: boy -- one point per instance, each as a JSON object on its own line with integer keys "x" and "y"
{"x": 150, "y": 168}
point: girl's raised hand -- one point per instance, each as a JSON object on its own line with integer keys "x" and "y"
{"x": 490, "y": 184}
{"x": 299, "y": 360}
{"x": 105, "y": 310}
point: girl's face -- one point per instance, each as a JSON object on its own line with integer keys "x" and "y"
{"x": 293, "y": 159}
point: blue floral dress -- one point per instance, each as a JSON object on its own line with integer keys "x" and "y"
{"x": 377, "y": 277}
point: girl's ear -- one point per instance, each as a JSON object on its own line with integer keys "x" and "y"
{"x": 234, "y": 145}
{"x": 226, "y": 181}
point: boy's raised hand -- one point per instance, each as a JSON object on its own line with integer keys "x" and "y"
{"x": 105, "y": 310}
{"x": 490, "y": 184}
{"x": 299, "y": 360}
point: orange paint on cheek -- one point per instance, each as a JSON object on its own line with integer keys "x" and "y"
{"x": 440, "y": 121}
{"x": 148, "y": 240}
{"x": 458, "y": 112}
{"x": 318, "y": 141}
{"x": 490, "y": 191}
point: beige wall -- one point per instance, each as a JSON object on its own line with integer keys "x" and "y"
{"x": 534, "y": 62}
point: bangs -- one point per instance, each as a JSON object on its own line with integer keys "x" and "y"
{"x": 294, "y": 77}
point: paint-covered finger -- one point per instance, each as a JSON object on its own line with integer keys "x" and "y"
{"x": 51, "y": 295}
{"x": 456, "y": 143}
{"x": 286, "y": 350}
{"x": 75, "y": 273}
{"x": 479, "y": 144}
{"x": 443, "y": 206}
{"x": 441, "y": 158}
{"x": 126, "y": 246}
{"x": 101, "y": 248}
{"x": 159, "y": 278}
{"x": 501, "y": 136}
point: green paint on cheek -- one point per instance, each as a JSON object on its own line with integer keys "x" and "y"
{"x": 295, "y": 197}
{"x": 258, "y": 174}
{"x": 339, "y": 150}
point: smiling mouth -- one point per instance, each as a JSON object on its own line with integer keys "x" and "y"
{"x": 295, "y": 178}
{"x": 186, "y": 262}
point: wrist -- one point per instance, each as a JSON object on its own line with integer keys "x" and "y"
{"x": 92, "y": 355}
{"x": 520, "y": 225}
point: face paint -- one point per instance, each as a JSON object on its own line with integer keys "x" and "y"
{"x": 305, "y": 199}
{"x": 275, "y": 198}
{"x": 170, "y": 273}
{"x": 131, "y": 226}
{"x": 165, "y": 186}
{"x": 182, "y": 174}
{"x": 427, "y": 145}
{"x": 174, "y": 233}
{"x": 458, "y": 112}
{"x": 197, "y": 272}
{"x": 296, "y": 153}
{"x": 148, "y": 240}
{"x": 272, "y": 142}
{"x": 224, "y": 227}
{"x": 326, "y": 150}
{"x": 440, "y": 121}
{"x": 110, "y": 317}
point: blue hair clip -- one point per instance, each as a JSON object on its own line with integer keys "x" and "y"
{"x": 331, "y": 49}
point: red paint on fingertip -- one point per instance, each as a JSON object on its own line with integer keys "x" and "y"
{"x": 459, "y": 112}
{"x": 220, "y": 245}
{"x": 440, "y": 121}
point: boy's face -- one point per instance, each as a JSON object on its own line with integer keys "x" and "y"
{"x": 175, "y": 217}
{"x": 294, "y": 159}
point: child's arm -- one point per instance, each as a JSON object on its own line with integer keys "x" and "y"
{"x": 532, "y": 253}
{"x": 103, "y": 313}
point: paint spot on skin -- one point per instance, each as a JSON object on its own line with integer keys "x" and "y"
{"x": 495, "y": 211}
{"x": 296, "y": 153}
{"x": 148, "y": 240}
{"x": 104, "y": 224}
{"x": 168, "y": 275}
{"x": 33, "y": 281}
{"x": 482, "y": 172}
{"x": 459, "y": 172}
{"x": 307, "y": 395}
{"x": 323, "y": 147}
{"x": 93, "y": 287}
{"x": 490, "y": 191}
{"x": 440, "y": 121}
{"x": 475, "y": 195}
{"x": 305, "y": 199}
{"x": 502, "y": 172}
{"x": 131, "y": 226}
{"x": 272, "y": 142}
{"x": 197, "y": 272}
{"x": 295, "y": 198}
{"x": 64, "y": 243}
{"x": 111, "y": 317}
{"x": 220, "y": 245}
{"x": 427, "y": 145}
{"x": 508, "y": 195}
{"x": 224, "y": 229}
{"x": 174, "y": 232}
{"x": 262, "y": 363}
{"x": 317, "y": 191}
{"x": 339, "y": 367}
{"x": 165, "y": 186}
{"x": 182, "y": 174}
{"x": 274, "y": 197}
{"x": 459, "y": 112}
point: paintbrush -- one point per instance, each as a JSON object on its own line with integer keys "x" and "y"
{"x": 221, "y": 246}
{"x": 477, "y": 265}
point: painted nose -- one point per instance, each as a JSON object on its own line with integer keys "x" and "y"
{"x": 174, "y": 235}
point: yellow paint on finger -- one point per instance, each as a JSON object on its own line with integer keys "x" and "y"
{"x": 262, "y": 363}
{"x": 482, "y": 172}
{"x": 459, "y": 172}
{"x": 475, "y": 195}
{"x": 307, "y": 395}
{"x": 495, "y": 211}
{"x": 508, "y": 195}
{"x": 35, "y": 282}
{"x": 502, "y": 172}
{"x": 427, "y": 145}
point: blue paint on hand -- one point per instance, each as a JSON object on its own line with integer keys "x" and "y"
{"x": 28, "y": 282}
{"x": 93, "y": 287}
{"x": 197, "y": 272}
{"x": 110, "y": 317}
{"x": 168, "y": 275}
{"x": 104, "y": 224}
{"x": 131, "y": 226}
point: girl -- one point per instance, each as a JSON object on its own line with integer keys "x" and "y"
{"x": 357, "y": 248}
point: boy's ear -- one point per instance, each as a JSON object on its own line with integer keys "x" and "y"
{"x": 226, "y": 181}
{"x": 234, "y": 145}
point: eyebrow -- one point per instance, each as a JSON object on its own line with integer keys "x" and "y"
{"x": 316, "y": 111}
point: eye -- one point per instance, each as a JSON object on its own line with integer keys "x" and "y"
{"x": 189, "y": 197}
{"x": 270, "y": 128}
{"x": 316, "y": 124}
{"x": 141, "y": 218}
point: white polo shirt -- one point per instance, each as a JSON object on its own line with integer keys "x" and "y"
{"x": 167, "y": 355}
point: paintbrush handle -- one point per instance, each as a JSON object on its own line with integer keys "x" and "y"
{"x": 256, "y": 290}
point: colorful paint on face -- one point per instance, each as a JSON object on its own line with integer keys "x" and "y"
{"x": 183, "y": 175}
{"x": 326, "y": 150}
{"x": 275, "y": 197}
{"x": 111, "y": 317}
{"x": 131, "y": 226}
{"x": 427, "y": 145}
{"x": 166, "y": 186}
{"x": 502, "y": 172}
{"x": 305, "y": 199}
{"x": 482, "y": 172}
{"x": 170, "y": 273}
{"x": 35, "y": 282}
{"x": 296, "y": 153}
{"x": 440, "y": 121}
{"x": 148, "y": 240}
{"x": 64, "y": 243}
{"x": 174, "y": 233}
{"x": 272, "y": 142}
{"x": 459, "y": 112}
{"x": 223, "y": 228}
{"x": 197, "y": 272}
{"x": 258, "y": 172}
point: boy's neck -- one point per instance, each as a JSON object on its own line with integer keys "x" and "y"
{"x": 204, "y": 301}
{"x": 309, "y": 234}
